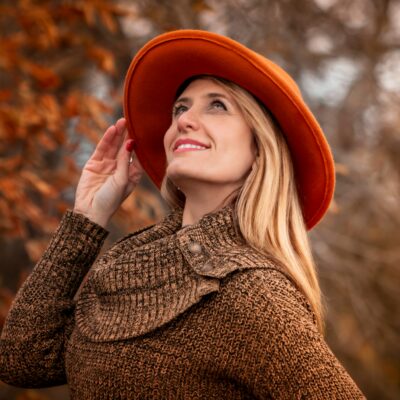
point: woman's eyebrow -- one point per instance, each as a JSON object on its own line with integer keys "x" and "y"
{"x": 213, "y": 95}
{"x": 182, "y": 100}
{"x": 208, "y": 95}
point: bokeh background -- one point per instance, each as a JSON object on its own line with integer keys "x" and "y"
{"x": 62, "y": 67}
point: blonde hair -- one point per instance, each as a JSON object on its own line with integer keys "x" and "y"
{"x": 267, "y": 206}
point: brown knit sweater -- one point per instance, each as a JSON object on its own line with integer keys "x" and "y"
{"x": 166, "y": 313}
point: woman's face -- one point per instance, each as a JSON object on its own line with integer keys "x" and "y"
{"x": 207, "y": 114}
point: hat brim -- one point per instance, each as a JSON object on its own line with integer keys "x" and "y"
{"x": 161, "y": 66}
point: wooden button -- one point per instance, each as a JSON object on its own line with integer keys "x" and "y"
{"x": 195, "y": 248}
{"x": 206, "y": 267}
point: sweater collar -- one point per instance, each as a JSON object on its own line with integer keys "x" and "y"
{"x": 214, "y": 247}
{"x": 221, "y": 223}
{"x": 152, "y": 276}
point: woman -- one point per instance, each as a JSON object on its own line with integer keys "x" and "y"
{"x": 220, "y": 299}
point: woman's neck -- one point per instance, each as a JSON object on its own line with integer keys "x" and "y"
{"x": 205, "y": 199}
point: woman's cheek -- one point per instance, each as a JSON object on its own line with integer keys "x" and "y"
{"x": 167, "y": 142}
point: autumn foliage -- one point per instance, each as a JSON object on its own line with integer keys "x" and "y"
{"x": 47, "y": 50}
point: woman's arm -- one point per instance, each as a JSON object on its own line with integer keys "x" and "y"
{"x": 40, "y": 321}
{"x": 286, "y": 356}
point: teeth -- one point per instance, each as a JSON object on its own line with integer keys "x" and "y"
{"x": 190, "y": 146}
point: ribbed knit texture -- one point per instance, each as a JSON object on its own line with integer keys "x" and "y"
{"x": 167, "y": 313}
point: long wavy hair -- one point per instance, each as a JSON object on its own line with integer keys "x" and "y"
{"x": 267, "y": 205}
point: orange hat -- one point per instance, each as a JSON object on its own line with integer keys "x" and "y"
{"x": 166, "y": 61}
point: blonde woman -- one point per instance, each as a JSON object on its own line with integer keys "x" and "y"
{"x": 220, "y": 299}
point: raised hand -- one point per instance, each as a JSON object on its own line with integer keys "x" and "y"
{"x": 108, "y": 177}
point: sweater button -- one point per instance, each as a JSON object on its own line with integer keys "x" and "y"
{"x": 195, "y": 248}
{"x": 206, "y": 267}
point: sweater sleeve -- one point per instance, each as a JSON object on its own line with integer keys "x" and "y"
{"x": 40, "y": 321}
{"x": 285, "y": 356}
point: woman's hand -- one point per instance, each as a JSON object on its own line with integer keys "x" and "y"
{"x": 108, "y": 177}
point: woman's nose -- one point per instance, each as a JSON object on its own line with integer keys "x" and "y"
{"x": 188, "y": 120}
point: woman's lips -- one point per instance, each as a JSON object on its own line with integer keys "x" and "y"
{"x": 186, "y": 144}
{"x": 189, "y": 147}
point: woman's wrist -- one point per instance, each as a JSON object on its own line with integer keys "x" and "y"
{"x": 97, "y": 219}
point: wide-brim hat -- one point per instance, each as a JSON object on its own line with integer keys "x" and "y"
{"x": 165, "y": 62}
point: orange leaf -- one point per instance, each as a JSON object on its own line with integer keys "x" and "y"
{"x": 108, "y": 21}
{"x": 42, "y": 186}
{"x": 10, "y": 223}
{"x": 8, "y": 122}
{"x": 44, "y": 76}
{"x": 31, "y": 115}
{"x": 49, "y": 108}
{"x": 72, "y": 105}
{"x": 11, "y": 163}
{"x": 88, "y": 12}
{"x": 47, "y": 142}
{"x": 103, "y": 57}
{"x": 31, "y": 211}
{"x": 11, "y": 188}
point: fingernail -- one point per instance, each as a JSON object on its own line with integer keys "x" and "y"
{"x": 129, "y": 145}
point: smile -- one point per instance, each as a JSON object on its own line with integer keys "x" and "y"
{"x": 188, "y": 147}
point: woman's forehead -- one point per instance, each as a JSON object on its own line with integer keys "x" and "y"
{"x": 187, "y": 82}
{"x": 204, "y": 84}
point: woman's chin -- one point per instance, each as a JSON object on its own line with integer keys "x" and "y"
{"x": 183, "y": 172}
{"x": 183, "y": 179}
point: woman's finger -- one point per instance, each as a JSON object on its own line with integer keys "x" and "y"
{"x": 104, "y": 145}
{"x": 124, "y": 155}
{"x": 111, "y": 141}
{"x": 120, "y": 126}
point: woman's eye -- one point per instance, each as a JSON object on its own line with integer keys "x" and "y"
{"x": 218, "y": 104}
{"x": 178, "y": 109}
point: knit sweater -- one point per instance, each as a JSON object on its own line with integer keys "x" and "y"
{"x": 166, "y": 313}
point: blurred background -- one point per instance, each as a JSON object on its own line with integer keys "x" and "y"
{"x": 62, "y": 68}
